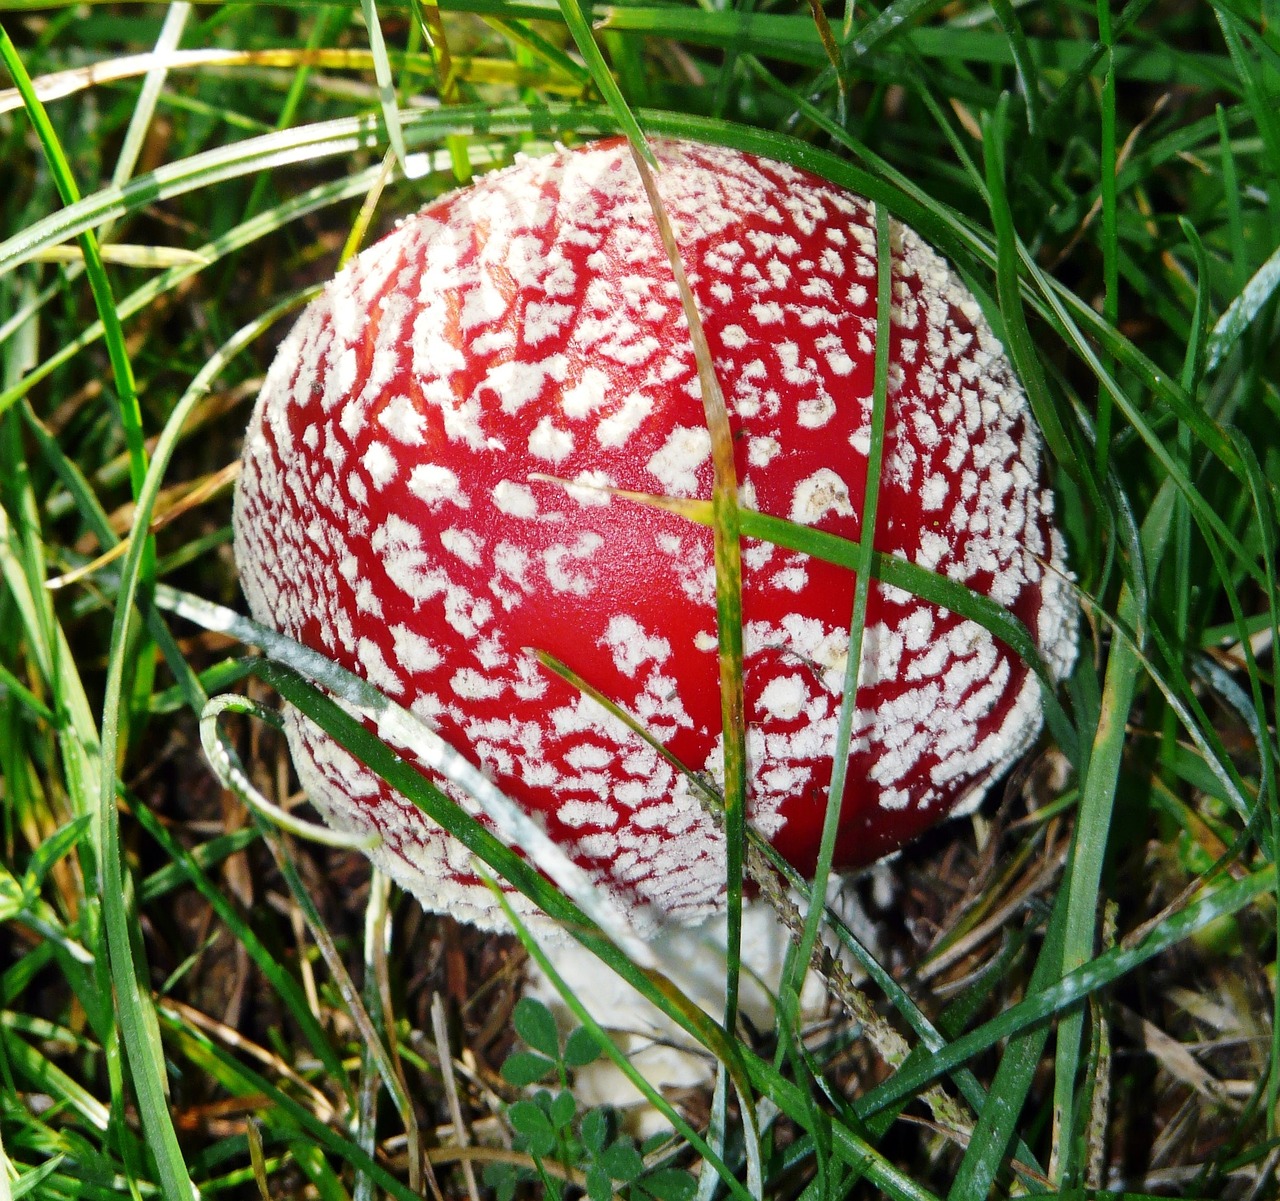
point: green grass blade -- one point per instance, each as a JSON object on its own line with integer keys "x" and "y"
{"x": 1022, "y": 348}
{"x": 1243, "y": 311}
{"x": 175, "y": 21}
{"x": 861, "y": 596}
{"x": 121, "y": 367}
{"x": 727, "y": 542}
{"x": 1109, "y": 239}
{"x": 386, "y": 84}
{"x": 1217, "y": 901}
{"x": 989, "y": 1146}
{"x": 283, "y": 1110}
{"x": 191, "y": 866}
{"x": 583, "y": 37}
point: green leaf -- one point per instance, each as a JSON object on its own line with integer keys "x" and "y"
{"x": 501, "y": 1177}
{"x": 581, "y": 1048}
{"x": 528, "y": 1119}
{"x": 655, "y": 1142}
{"x": 622, "y": 1161}
{"x": 595, "y": 1129}
{"x": 669, "y": 1184}
{"x": 563, "y": 1109}
{"x": 534, "y": 1024}
{"x": 523, "y": 1068}
{"x": 599, "y": 1186}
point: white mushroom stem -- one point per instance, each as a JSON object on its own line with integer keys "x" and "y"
{"x": 694, "y": 959}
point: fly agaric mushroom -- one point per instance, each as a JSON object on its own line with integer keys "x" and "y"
{"x": 394, "y": 512}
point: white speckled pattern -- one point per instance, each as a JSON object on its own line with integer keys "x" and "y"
{"x": 387, "y": 514}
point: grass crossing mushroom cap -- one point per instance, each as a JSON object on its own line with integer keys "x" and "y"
{"x": 389, "y": 515}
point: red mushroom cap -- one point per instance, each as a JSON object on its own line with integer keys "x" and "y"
{"x": 389, "y": 515}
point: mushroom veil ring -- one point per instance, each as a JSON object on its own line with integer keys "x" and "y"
{"x": 395, "y": 513}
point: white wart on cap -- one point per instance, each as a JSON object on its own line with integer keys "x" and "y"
{"x": 388, "y": 515}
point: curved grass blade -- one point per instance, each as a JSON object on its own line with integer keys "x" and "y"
{"x": 138, "y": 1022}
{"x": 233, "y": 777}
{"x": 95, "y": 269}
